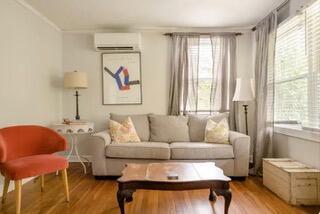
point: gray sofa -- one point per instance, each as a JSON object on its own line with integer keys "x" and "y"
{"x": 169, "y": 139}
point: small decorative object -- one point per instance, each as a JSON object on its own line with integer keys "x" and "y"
{"x": 121, "y": 78}
{"x": 244, "y": 92}
{"x": 172, "y": 176}
{"x": 76, "y": 80}
{"x": 66, "y": 121}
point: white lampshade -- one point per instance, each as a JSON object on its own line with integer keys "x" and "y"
{"x": 244, "y": 90}
{"x": 76, "y": 80}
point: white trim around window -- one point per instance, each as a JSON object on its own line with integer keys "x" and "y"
{"x": 295, "y": 130}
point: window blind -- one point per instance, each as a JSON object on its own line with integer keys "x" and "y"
{"x": 297, "y": 69}
{"x": 291, "y": 71}
{"x": 312, "y": 14}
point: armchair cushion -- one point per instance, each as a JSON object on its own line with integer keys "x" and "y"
{"x": 34, "y": 165}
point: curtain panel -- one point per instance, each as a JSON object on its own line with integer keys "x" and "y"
{"x": 185, "y": 69}
{"x": 264, "y": 89}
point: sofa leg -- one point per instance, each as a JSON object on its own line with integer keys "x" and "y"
{"x": 104, "y": 177}
{"x": 239, "y": 178}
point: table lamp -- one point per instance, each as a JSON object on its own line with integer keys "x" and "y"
{"x": 244, "y": 92}
{"x": 76, "y": 80}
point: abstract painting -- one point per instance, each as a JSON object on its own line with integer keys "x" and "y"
{"x": 121, "y": 78}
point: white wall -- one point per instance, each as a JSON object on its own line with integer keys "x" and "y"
{"x": 79, "y": 54}
{"x": 302, "y": 150}
{"x": 30, "y": 67}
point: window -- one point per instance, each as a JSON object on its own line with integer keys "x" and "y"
{"x": 297, "y": 69}
{"x": 202, "y": 53}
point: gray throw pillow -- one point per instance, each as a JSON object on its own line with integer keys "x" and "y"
{"x": 198, "y": 122}
{"x": 140, "y": 122}
{"x": 165, "y": 128}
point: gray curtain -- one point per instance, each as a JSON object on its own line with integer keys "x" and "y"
{"x": 264, "y": 89}
{"x": 183, "y": 66}
{"x": 224, "y": 73}
{"x": 183, "y": 96}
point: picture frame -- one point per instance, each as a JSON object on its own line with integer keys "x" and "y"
{"x": 121, "y": 78}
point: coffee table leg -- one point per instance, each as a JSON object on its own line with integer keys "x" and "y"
{"x": 124, "y": 196}
{"x": 121, "y": 199}
{"x": 212, "y": 195}
{"x": 226, "y": 193}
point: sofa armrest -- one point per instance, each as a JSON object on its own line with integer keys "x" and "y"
{"x": 100, "y": 141}
{"x": 104, "y": 136}
{"x": 241, "y": 150}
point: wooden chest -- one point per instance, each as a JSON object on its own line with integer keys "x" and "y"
{"x": 296, "y": 183}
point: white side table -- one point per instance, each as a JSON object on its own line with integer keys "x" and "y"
{"x": 73, "y": 130}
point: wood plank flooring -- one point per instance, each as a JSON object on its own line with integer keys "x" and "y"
{"x": 91, "y": 196}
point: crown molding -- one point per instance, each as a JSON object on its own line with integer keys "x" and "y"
{"x": 144, "y": 29}
{"x": 37, "y": 13}
{"x": 153, "y": 29}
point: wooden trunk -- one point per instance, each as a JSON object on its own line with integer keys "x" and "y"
{"x": 296, "y": 183}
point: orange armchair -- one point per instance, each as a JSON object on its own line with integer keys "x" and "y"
{"x": 27, "y": 151}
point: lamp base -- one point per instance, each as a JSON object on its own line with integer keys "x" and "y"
{"x": 246, "y": 117}
{"x": 77, "y": 105}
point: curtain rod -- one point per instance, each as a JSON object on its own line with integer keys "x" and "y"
{"x": 198, "y": 33}
{"x": 277, "y": 9}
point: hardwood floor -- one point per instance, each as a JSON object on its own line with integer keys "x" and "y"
{"x": 88, "y": 195}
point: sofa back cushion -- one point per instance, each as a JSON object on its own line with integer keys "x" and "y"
{"x": 140, "y": 122}
{"x": 197, "y": 125}
{"x": 165, "y": 128}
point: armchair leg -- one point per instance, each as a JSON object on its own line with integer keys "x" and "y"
{"x": 5, "y": 189}
{"x": 65, "y": 183}
{"x": 17, "y": 190}
{"x": 42, "y": 182}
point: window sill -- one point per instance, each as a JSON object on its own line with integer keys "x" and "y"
{"x": 295, "y": 130}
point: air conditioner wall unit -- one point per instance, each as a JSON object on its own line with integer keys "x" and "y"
{"x": 117, "y": 42}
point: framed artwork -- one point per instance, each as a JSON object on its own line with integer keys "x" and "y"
{"x": 121, "y": 78}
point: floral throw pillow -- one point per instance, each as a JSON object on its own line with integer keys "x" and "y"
{"x": 217, "y": 132}
{"x": 123, "y": 132}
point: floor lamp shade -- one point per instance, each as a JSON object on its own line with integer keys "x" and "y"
{"x": 244, "y": 90}
{"x": 75, "y": 80}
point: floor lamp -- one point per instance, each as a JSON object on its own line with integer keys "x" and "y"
{"x": 76, "y": 80}
{"x": 244, "y": 92}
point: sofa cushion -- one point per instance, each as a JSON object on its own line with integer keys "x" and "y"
{"x": 142, "y": 150}
{"x": 217, "y": 132}
{"x": 140, "y": 122}
{"x": 123, "y": 132}
{"x": 165, "y": 128}
{"x": 200, "y": 151}
{"x": 197, "y": 125}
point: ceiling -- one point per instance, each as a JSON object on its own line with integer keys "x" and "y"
{"x": 71, "y": 15}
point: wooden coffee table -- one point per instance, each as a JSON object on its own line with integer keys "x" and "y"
{"x": 191, "y": 176}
